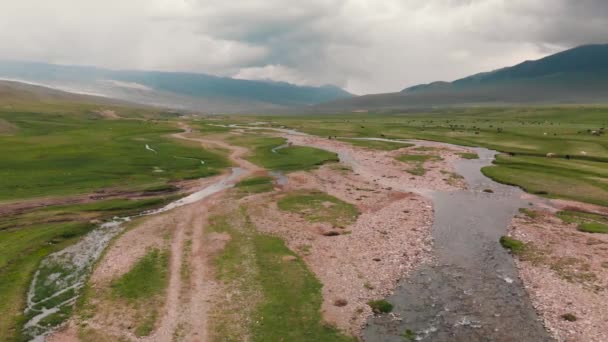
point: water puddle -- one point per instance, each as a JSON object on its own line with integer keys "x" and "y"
{"x": 62, "y": 275}
{"x": 472, "y": 292}
{"x": 150, "y": 148}
{"x": 275, "y": 149}
{"x": 280, "y": 178}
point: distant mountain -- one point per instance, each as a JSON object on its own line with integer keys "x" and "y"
{"x": 17, "y": 92}
{"x": 173, "y": 89}
{"x": 578, "y": 75}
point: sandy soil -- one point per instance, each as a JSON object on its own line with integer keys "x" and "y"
{"x": 566, "y": 272}
{"x": 390, "y": 237}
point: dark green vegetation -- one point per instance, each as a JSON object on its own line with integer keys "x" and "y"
{"x": 514, "y": 245}
{"x": 416, "y": 162}
{"x": 288, "y": 295}
{"x": 254, "y": 185}
{"x": 578, "y": 75}
{"x": 283, "y": 157}
{"x": 377, "y": 144}
{"x": 380, "y": 306}
{"x": 320, "y": 207}
{"x": 569, "y": 317}
{"x": 469, "y": 155}
{"x": 409, "y": 335}
{"x": 594, "y": 228}
{"x": 529, "y": 212}
{"x": 587, "y": 222}
{"x": 70, "y": 153}
{"x": 578, "y": 171}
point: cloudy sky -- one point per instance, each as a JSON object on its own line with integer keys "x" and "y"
{"x": 364, "y": 46}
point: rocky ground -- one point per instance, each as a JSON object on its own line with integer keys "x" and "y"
{"x": 566, "y": 274}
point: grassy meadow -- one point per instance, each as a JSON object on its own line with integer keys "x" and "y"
{"x": 56, "y": 150}
{"x": 274, "y": 154}
{"x": 61, "y": 154}
{"x": 571, "y": 134}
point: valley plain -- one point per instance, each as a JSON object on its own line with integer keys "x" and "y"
{"x": 291, "y": 227}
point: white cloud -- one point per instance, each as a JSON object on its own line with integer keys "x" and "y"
{"x": 363, "y": 45}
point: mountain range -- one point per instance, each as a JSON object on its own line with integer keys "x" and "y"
{"x": 179, "y": 90}
{"x": 574, "y": 76}
{"x": 578, "y": 75}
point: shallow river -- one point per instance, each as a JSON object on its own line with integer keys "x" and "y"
{"x": 472, "y": 292}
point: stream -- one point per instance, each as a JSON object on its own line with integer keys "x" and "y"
{"x": 472, "y": 292}
{"x": 61, "y": 276}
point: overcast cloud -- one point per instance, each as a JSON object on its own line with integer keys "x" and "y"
{"x": 363, "y": 46}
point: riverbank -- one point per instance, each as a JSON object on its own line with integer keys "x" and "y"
{"x": 566, "y": 273}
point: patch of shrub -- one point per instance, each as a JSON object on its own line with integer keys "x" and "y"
{"x": 514, "y": 245}
{"x": 380, "y": 306}
{"x": 593, "y": 227}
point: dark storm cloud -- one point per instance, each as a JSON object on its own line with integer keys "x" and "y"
{"x": 363, "y": 45}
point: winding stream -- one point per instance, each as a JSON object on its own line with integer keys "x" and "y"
{"x": 62, "y": 275}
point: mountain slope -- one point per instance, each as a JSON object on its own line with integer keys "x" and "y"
{"x": 17, "y": 92}
{"x": 578, "y": 75}
{"x": 174, "y": 89}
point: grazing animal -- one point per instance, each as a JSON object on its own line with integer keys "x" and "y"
{"x": 551, "y": 155}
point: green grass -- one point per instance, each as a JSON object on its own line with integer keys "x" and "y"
{"x": 62, "y": 149}
{"x": 60, "y": 154}
{"x": 142, "y": 286}
{"x": 529, "y": 212}
{"x": 416, "y": 162}
{"x": 586, "y": 222}
{"x": 255, "y": 185}
{"x": 289, "y": 295}
{"x": 514, "y": 245}
{"x": 147, "y": 278}
{"x": 290, "y": 158}
{"x": 377, "y": 144}
{"x": 208, "y": 127}
{"x": 380, "y": 306}
{"x": 528, "y": 132}
{"x": 20, "y": 253}
{"x": 320, "y": 207}
{"x": 124, "y": 206}
{"x": 580, "y": 180}
{"x": 593, "y": 227}
{"x": 468, "y": 155}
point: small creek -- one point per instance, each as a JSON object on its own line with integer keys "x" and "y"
{"x": 61, "y": 275}
{"x": 472, "y": 292}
